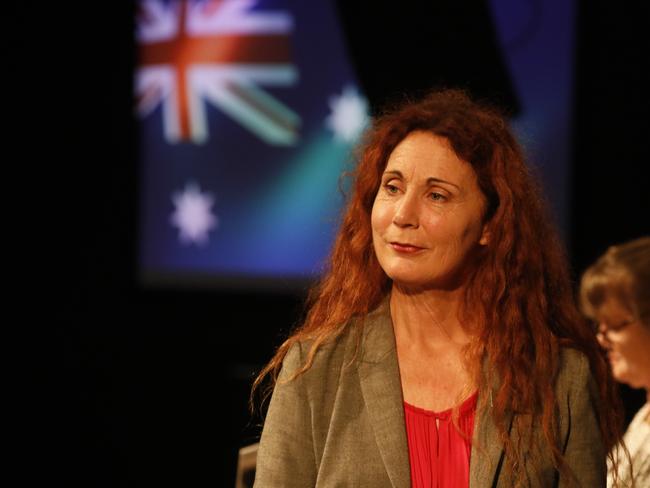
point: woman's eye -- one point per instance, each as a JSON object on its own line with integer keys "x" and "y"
{"x": 620, "y": 326}
{"x": 438, "y": 197}
{"x": 391, "y": 188}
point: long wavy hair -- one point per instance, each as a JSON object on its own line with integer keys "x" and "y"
{"x": 521, "y": 292}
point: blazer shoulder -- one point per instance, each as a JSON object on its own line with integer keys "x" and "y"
{"x": 576, "y": 387}
{"x": 574, "y": 365}
{"x": 573, "y": 359}
{"x": 574, "y": 373}
{"x": 328, "y": 358}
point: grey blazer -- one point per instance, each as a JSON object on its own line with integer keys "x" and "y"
{"x": 341, "y": 424}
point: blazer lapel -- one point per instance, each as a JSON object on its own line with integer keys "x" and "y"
{"x": 487, "y": 449}
{"x": 382, "y": 393}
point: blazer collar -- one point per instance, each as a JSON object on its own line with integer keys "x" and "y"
{"x": 487, "y": 448}
{"x": 382, "y": 392}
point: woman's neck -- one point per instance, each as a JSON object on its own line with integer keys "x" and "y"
{"x": 429, "y": 317}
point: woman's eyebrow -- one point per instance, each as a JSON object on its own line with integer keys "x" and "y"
{"x": 433, "y": 180}
{"x": 394, "y": 173}
{"x": 430, "y": 181}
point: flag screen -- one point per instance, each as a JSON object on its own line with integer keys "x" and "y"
{"x": 247, "y": 113}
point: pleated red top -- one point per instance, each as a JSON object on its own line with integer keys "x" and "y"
{"x": 439, "y": 454}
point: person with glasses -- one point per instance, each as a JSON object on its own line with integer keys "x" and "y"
{"x": 615, "y": 293}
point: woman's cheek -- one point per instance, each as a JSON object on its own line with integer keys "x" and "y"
{"x": 381, "y": 215}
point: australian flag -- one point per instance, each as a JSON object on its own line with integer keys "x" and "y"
{"x": 247, "y": 113}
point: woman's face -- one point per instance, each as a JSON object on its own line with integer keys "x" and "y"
{"x": 427, "y": 215}
{"x": 627, "y": 342}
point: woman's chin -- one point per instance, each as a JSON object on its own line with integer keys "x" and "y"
{"x": 622, "y": 374}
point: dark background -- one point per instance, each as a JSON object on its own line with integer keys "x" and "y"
{"x": 131, "y": 387}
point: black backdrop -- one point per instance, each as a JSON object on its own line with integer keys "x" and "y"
{"x": 131, "y": 387}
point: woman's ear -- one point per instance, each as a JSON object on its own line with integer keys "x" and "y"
{"x": 485, "y": 236}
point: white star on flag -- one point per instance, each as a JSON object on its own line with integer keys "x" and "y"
{"x": 349, "y": 115}
{"x": 193, "y": 214}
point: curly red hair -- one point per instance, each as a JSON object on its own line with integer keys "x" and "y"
{"x": 521, "y": 293}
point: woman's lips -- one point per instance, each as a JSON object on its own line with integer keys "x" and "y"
{"x": 405, "y": 248}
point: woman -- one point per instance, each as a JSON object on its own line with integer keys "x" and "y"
{"x": 615, "y": 292}
{"x": 443, "y": 346}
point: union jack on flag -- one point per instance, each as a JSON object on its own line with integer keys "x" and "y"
{"x": 195, "y": 52}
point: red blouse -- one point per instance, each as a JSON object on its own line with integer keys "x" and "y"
{"x": 439, "y": 454}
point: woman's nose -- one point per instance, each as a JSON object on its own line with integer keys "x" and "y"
{"x": 406, "y": 214}
{"x": 601, "y": 336}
